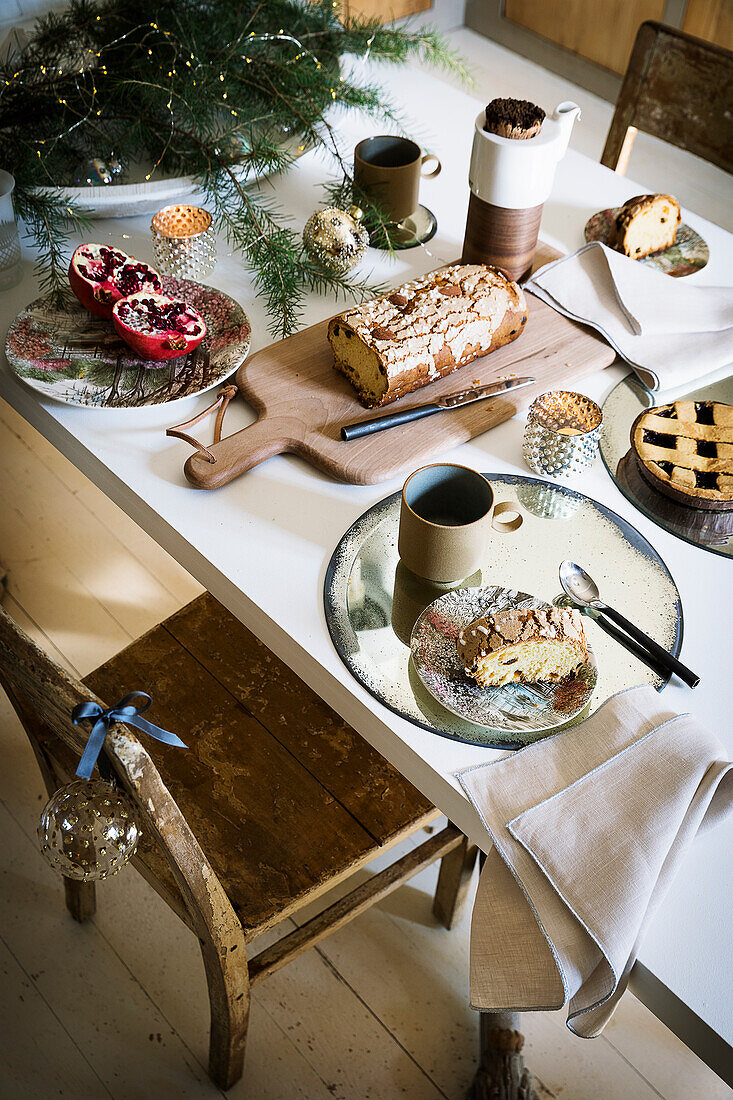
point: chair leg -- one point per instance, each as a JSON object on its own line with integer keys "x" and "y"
{"x": 227, "y": 976}
{"x": 502, "y": 1074}
{"x": 453, "y": 881}
{"x": 81, "y": 899}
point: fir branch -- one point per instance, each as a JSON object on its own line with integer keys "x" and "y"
{"x": 220, "y": 91}
{"x": 48, "y": 222}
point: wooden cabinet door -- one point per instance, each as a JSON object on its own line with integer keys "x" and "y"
{"x": 386, "y": 9}
{"x": 711, "y": 20}
{"x": 601, "y": 30}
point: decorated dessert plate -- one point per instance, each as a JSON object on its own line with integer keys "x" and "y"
{"x": 70, "y": 355}
{"x": 372, "y": 601}
{"x": 513, "y": 708}
{"x": 688, "y": 254}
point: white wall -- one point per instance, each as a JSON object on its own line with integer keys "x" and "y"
{"x": 444, "y": 14}
{"x": 16, "y": 11}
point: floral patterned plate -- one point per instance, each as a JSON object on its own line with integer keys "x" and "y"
{"x": 688, "y": 254}
{"x": 513, "y": 707}
{"x": 70, "y": 355}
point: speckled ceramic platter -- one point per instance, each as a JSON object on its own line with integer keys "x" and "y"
{"x": 372, "y": 601}
{"x": 513, "y": 708}
{"x": 713, "y": 531}
{"x": 70, "y": 355}
{"x": 688, "y": 254}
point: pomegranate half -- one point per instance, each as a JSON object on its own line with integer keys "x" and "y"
{"x": 101, "y": 275}
{"x": 157, "y": 327}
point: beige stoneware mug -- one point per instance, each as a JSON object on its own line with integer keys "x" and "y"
{"x": 388, "y": 169}
{"x": 445, "y": 517}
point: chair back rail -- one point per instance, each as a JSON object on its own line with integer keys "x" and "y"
{"x": 677, "y": 88}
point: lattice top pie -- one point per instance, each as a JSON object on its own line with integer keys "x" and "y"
{"x": 686, "y": 450}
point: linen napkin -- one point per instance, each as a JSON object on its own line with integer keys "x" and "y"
{"x": 670, "y": 332}
{"x": 587, "y": 829}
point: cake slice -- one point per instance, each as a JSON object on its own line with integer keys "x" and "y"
{"x": 646, "y": 224}
{"x": 527, "y": 645}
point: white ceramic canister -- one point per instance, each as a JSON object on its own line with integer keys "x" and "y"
{"x": 510, "y": 179}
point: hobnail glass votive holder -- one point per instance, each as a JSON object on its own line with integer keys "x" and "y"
{"x": 562, "y": 433}
{"x": 184, "y": 242}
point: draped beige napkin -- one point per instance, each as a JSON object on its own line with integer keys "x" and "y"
{"x": 587, "y": 829}
{"x": 671, "y": 331}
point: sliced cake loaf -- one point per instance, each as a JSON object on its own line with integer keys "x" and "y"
{"x": 525, "y": 645}
{"x": 426, "y": 328}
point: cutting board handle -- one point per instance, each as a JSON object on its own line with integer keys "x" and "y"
{"x": 239, "y": 453}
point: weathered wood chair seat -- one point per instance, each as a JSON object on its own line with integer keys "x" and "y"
{"x": 283, "y": 796}
{"x": 275, "y": 800}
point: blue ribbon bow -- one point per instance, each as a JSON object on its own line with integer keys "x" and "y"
{"x": 124, "y": 711}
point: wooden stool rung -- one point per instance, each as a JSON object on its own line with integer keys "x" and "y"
{"x": 352, "y": 904}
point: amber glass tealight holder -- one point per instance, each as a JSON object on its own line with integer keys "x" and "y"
{"x": 184, "y": 242}
{"x": 562, "y": 433}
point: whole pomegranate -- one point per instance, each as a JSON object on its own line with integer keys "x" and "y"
{"x": 157, "y": 327}
{"x": 100, "y": 276}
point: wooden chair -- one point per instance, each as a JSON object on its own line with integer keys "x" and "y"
{"x": 677, "y": 88}
{"x": 275, "y": 800}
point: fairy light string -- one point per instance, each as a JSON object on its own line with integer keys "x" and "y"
{"x": 280, "y": 36}
{"x": 191, "y": 87}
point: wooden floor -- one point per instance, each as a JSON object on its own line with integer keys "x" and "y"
{"x": 117, "y": 1008}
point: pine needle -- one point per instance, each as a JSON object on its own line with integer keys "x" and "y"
{"x": 223, "y": 92}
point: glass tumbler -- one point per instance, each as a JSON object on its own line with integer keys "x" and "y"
{"x": 562, "y": 433}
{"x": 10, "y": 269}
{"x": 184, "y": 242}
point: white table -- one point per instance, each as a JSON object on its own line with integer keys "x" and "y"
{"x": 261, "y": 545}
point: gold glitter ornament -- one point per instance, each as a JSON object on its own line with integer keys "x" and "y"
{"x": 88, "y": 830}
{"x": 336, "y": 239}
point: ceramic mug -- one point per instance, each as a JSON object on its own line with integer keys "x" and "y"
{"x": 388, "y": 169}
{"x": 444, "y": 521}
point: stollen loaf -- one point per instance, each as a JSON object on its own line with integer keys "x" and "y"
{"x": 425, "y": 329}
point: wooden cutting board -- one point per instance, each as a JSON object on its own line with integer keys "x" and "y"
{"x": 302, "y": 402}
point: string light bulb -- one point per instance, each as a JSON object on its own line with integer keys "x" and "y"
{"x": 302, "y": 91}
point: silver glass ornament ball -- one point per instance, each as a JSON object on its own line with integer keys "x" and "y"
{"x": 336, "y": 239}
{"x": 97, "y": 171}
{"x": 88, "y": 830}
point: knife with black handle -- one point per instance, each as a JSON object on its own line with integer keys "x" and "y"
{"x": 451, "y": 401}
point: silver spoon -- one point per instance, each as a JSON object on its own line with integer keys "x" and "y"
{"x": 581, "y": 588}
